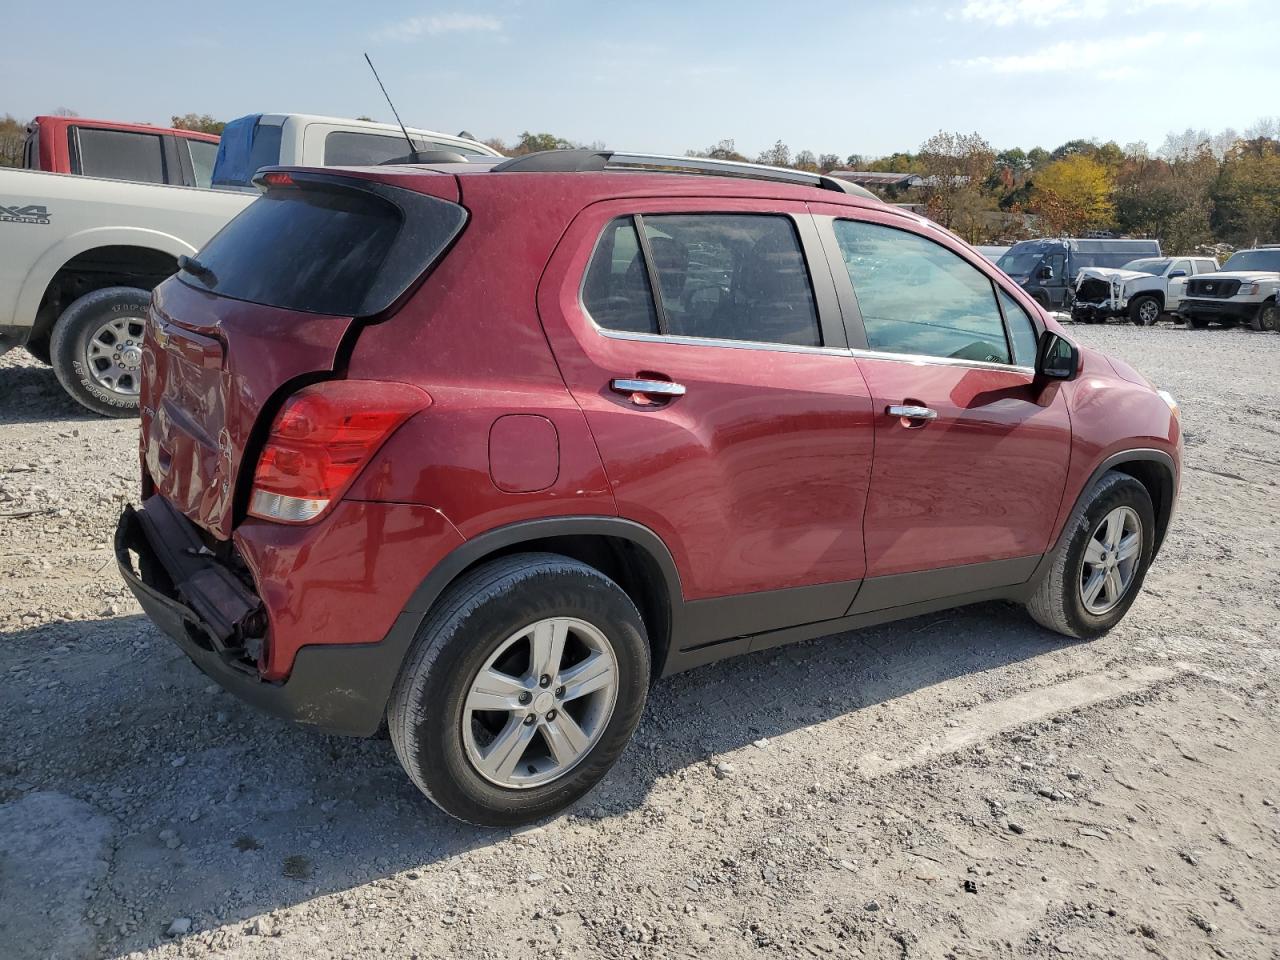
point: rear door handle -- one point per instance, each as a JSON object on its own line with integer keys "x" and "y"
{"x": 663, "y": 389}
{"x": 920, "y": 415}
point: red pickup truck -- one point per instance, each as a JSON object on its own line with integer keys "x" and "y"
{"x": 120, "y": 151}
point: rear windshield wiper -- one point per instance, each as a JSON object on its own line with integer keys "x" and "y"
{"x": 197, "y": 269}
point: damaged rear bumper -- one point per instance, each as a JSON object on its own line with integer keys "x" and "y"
{"x": 203, "y": 606}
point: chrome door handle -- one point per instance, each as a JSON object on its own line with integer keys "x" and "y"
{"x": 912, "y": 412}
{"x": 648, "y": 388}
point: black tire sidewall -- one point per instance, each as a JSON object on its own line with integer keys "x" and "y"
{"x": 1125, "y": 491}
{"x": 71, "y": 335}
{"x": 435, "y": 702}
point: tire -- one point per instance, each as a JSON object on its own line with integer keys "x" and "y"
{"x": 1043, "y": 300}
{"x": 1195, "y": 322}
{"x": 1267, "y": 318}
{"x": 1059, "y": 602}
{"x": 94, "y": 324}
{"x": 433, "y": 729}
{"x": 1144, "y": 311}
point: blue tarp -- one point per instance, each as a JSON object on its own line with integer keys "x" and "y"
{"x": 233, "y": 168}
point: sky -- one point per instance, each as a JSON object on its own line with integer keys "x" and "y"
{"x": 859, "y": 76}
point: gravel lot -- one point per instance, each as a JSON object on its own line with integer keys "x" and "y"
{"x": 960, "y": 785}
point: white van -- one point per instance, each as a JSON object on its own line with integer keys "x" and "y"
{"x": 295, "y": 139}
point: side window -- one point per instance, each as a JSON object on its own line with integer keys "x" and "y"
{"x": 1183, "y": 265}
{"x": 616, "y": 290}
{"x": 917, "y": 297}
{"x": 1022, "y": 331}
{"x": 345, "y": 149}
{"x": 120, "y": 155}
{"x": 1057, "y": 262}
{"x": 202, "y": 157}
{"x": 732, "y": 277}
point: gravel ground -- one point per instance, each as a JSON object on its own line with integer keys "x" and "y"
{"x": 960, "y": 785}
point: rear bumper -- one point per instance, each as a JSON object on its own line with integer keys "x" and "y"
{"x": 341, "y": 688}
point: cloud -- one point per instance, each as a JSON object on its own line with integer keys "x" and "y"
{"x": 1040, "y": 13}
{"x": 433, "y": 26}
{"x": 1107, "y": 56}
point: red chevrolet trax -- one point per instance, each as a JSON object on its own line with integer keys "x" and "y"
{"x": 479, "y": 450}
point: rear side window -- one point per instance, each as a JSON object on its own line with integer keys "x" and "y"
{"x": 322, "y": 248}
{"x": 918, "y": 297}
{"x": 202, "y": 157}
{"x": 717, "y": 276}
{"x": 120, "y": 155}
{"x": 344, "y": 148}
{"x": 616, "y": 289}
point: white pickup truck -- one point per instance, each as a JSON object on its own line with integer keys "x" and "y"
{"x": 1141, "y": 290}
{"x": 78, "y": 259}
{"x": 79, "y": 255}
{"x": 1246, "y": 291}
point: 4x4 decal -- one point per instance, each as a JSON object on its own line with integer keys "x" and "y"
{"x": 32, "y": 213}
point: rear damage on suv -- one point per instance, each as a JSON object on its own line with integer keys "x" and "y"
{"x": 250, "y": 431}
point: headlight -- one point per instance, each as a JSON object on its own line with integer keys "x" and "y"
{"x": 1167, "y": 397}
{"x": 1247, "y": 289}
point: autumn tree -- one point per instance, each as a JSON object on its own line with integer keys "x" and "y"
{"x": 1073, "y": 195}
{"x": 13, "y": 134}
{"x": 1166, "y": 200}
{"x": 805, "y": 160}
{"x": 779, "y": 155}
{"x": 201, "y": 122}
{"x": 828, "y": 162}
{"x": 722, "y": 150}
{"x": 537, "y": 142}
{"x": 955, "y": 166}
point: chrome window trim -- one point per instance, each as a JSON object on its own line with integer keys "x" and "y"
{"x": 941, "y": 361}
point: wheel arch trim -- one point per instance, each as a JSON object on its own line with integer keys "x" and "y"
{"x": 1169, "y": 492}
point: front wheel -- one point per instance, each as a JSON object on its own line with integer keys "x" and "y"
{"x": 1267, "y": 318}
{"x": 1144, "y": 311}
{"x": 521, "y": 690}
{"x": 96, "y": 349}
{"x": 1100, "y": 561}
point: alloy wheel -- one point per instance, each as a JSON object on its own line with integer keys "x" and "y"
{"x": 113, "y": 355}
{"x": 1111, "y": 560}
{"x": 540, "y": 703}
{"x": 1148, "y": 312}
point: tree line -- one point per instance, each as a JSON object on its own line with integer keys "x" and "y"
{"x": 1197, "y": 189}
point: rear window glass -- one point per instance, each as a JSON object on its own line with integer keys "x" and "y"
{"x": 119, "y": 155}
{"x": 324, "y": 250}
{"x": 343, "y": 148}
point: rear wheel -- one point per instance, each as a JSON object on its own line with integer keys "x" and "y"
{"x": 1100, "y": 560}
{"x": 1144, "y": 311}
{"x": 96, "y": 349}
{"x": 521, "y": 690}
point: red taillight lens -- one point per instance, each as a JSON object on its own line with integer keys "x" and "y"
{"x": 321, "y": 439}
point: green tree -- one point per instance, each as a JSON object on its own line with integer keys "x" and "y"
{"x": 537, "y": 142}
{"x": 201, "y": 122}
{"x": 1246, "y": 195}
{"x": 1072, "y": 195}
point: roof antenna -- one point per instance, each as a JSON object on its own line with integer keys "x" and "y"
{"x": 413, "y": 150}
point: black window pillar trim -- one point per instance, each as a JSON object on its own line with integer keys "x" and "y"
{"x": 855, "y": 329}
{"x": 651, "y": 269}
{"x": 831, "y": 320}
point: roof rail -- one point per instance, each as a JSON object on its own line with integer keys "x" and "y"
{"x": 577, "y": 161}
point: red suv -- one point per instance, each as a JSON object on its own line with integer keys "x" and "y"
{"x": 480, "y": 450}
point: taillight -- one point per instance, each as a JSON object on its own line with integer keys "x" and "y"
{"x": 321, "y": 439}
{"x": 277, "y": 178}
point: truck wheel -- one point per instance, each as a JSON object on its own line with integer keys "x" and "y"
{"x": 521, "y": 690}
{"x": 1144, "y": 311}
{"x": 1267, "y": 318}
{"x": 1196, "y": 323}
{"x": 1100, "y": 561}
{"x": 96, "y": 349}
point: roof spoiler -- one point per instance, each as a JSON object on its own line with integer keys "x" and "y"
{"x": 580, "y": 161}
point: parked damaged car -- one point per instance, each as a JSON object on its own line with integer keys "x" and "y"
{"x": 1141, "y": 290}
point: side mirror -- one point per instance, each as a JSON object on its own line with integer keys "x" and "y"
{"x": 1057, "y": 358}
{"x": 1045, "y": 273}
{"x": 1177, "y": 273}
